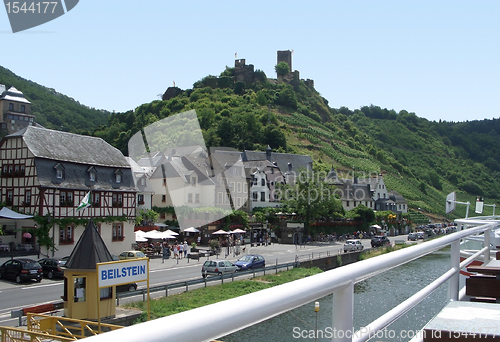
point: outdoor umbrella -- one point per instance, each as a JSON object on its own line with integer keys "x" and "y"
{"x": 152, "y": 234}
{"x": 191, "y": 230}
{"x": 238, "y": 230}
{"x": 139, "y": 236}
{"x": 220, "y": 232}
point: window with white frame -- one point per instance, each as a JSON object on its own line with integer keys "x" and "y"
{"x": 66, "y": 235}
{"x": 96, "y": 199}
{"x": 117, "y": 232}
{"x": 27, "y": 197}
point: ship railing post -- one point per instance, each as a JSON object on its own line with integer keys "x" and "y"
{"x": 454, "y": 283}
{"x": 487, "y": 235}
{"x": 343, "y": 313}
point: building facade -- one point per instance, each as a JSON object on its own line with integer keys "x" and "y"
{"x": 48, "y": 173}
{"x": 15, "y": 110}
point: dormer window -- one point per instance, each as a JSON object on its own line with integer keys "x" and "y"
{"x": 92, "y": 174}
{"x": 118, "y": 176}
{"x": 59, "y": 171}
{"x": 143, "y": 181}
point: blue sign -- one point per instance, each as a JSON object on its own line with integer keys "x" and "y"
{"x": 122, "y": 272}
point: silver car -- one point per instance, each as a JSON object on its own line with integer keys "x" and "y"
{"x": 218, "y": 267}
{"x": 352, "y": 245}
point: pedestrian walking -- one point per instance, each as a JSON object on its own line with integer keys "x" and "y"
{"x": 185, "y": 248}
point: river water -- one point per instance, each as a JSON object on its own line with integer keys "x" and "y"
{"x": 373, "y": 297}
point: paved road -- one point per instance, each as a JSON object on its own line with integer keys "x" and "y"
{"x": 16, "y": 296}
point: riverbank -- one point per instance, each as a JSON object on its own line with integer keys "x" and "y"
{"x": 192, "y": 299}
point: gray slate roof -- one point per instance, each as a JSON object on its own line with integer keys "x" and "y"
{"x": 89, "y": 250}
{"x": 63, "y": 146}
{"x": 296, "y": 162}
{"x": 14, "y": 95}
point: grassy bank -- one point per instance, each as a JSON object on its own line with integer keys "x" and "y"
{"x": 379, "y": 251}
{"x": 192, "y": 299}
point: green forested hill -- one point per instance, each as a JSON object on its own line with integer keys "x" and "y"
{"x": 54, "y": 110}
{"x": 423, "y": 160}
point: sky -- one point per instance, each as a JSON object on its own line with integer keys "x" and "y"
{"x": 436, "y": 58}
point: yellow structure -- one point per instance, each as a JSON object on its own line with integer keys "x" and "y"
{"x": 81, "y": 296}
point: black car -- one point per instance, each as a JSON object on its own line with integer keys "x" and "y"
{"x": 380, "y": 240}
{"x": 21, "y": 269}
{"x": 52, "y": 267}
{"x": 126, "y": 287}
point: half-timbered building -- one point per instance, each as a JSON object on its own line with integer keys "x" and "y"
{"x": 48, "y": 172}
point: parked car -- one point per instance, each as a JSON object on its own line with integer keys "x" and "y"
{"x": 131, "y": 255}
{"x": 352, "y": 245}
{"x": 218, "y": 267}
{"x": 21, "y": 269}
{"x": 52, "y": 267}
{"x": 126, "y": 287}
{"x": 412, "y": 237}
{"x": 380, "y": 240}
{"x": 250, "y": 261}
{"x": 420, "y": 235}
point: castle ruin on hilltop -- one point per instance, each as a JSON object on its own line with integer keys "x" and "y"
{"x": 246, "y": 74}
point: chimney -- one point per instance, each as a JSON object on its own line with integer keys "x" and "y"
{"x": 268, "y": 153}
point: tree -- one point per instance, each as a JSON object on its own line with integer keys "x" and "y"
{"x": 310, "y": 198}
{"x": 286, "y": 97}
{"x": 146, "y": 217}
{"x": 42, "y": 232}
{"x": 363, "y": 214}
{"x": 282, "y": 69}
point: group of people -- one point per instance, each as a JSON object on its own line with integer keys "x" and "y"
{"x": 179, "y": 250}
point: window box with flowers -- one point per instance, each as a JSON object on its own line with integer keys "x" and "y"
{"x": 118, "y": 238}
{"x": 67, "y": 204}
{"x": 66, "y": 241}
{"x": 117, "y": 204}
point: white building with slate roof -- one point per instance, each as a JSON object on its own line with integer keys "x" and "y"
{"x": 48, "y": 172}
{"x": 15, "y": 110}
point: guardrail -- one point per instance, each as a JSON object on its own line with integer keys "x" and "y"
{"x": 8, "y": 334}
{"x": 205, "y": 281}
{"x": 226, "y": 317}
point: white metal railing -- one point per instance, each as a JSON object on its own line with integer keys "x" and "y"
{"x": 213, "y": 321}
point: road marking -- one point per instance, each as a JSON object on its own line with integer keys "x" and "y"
{"x": 173, "y": 268}
{"x": 37, "y": 286}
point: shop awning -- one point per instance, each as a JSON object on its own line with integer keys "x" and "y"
{"x": 9, "y": 214}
